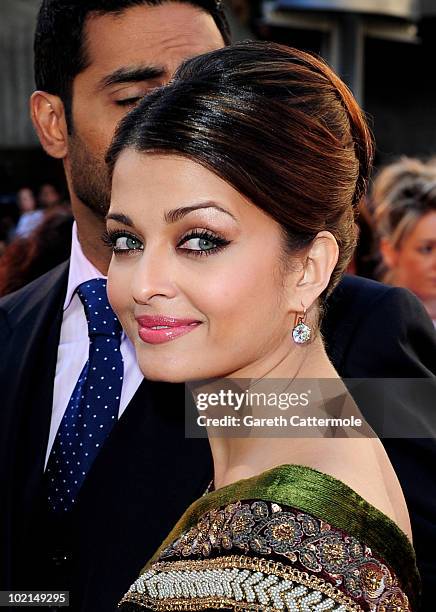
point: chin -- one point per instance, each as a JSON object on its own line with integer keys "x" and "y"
{"x": 163, "y": 377}
{"x": 164, "y": 372}
{"x": 177, "y": 372}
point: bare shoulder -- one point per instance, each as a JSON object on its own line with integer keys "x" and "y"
{"x": 364, "y": 466}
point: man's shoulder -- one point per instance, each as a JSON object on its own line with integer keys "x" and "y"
{"x": 360, "y": 297}
{"x": 372, "y": 329}
{"x": 364, "y": 290}
{"x": 17, "y": 305}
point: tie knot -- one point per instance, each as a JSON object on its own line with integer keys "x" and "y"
{"x": 99, "y": 314}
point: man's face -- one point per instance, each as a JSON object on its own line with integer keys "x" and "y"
{"x": 129, "y": 55}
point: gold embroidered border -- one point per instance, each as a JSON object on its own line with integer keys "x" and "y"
{"x": 240, "y": 562}
{"x": 183, "y": 605}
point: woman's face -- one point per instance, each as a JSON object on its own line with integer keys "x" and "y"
{"x": 26, "y": 200}
{"x": 415, "y": 265}
{"x": 196, "y": 277}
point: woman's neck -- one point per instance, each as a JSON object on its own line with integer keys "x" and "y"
{"x": 236, "y": 458}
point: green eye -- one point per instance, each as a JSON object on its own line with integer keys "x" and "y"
{"x": 127, "y": 243}
{"x": 199, "y": 244}
{"x": 202, "y": 242}
{"x": 206, "y": 245}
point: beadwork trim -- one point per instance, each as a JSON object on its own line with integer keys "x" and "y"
{"x": 309, "y": 544}
{"x": 229, "y": 558}
{"x": 335, "y": 502}
{"x": 236, "y": 583}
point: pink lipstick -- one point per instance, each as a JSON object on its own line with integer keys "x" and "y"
{"x": 160, "y": 329}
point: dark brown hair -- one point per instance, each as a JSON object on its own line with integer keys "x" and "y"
{"x": 275, "y": 123}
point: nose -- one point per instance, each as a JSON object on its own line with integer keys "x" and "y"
{"x": 153, "y": 277}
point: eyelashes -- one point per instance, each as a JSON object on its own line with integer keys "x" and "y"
{"x": 203, "y": 236}
{"x": 128, "y": 101}
{"x": 111, "y": 240}
{"x": 107, "y": 239}
{"x": 208, "y": 242}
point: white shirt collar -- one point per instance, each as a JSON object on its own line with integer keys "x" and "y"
{"x": 81, "y": 269}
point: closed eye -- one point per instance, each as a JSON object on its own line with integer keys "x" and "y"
{"x": 128, "y": 101}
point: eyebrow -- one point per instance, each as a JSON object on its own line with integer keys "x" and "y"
{"x": 124, "y": 219}
{"x": 172, "y": 216}
{"x": 133, "y": 74}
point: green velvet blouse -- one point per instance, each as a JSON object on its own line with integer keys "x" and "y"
{"x": 292, "y": 538}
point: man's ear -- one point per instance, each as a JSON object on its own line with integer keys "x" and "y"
{"x": 48, "y": 116}
{"x": 316, "y": 269}
{"x": 389, "y": 254}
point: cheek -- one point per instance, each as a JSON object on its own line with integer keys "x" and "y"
{"x": 413, "y": 265}
{"x": 118, "y": 289}
{"x": 239, "y": 296}
{"x": 100, "y": 138}
{"x": 96, "y": 126}
{"x": 413, "y": 272}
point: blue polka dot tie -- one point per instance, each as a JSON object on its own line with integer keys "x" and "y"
{"x": 93, "y": 408}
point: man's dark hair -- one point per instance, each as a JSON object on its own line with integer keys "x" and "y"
{"x": 60, "y": 50}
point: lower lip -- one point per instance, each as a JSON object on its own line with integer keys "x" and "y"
{"x": 159, "y": 336}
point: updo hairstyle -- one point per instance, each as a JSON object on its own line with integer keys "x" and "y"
{"x": 275, "y": 123}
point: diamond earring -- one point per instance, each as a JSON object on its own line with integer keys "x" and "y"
{"x": 301, "y": 332}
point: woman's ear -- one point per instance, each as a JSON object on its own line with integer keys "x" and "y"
{"x": 318, "y": 263}
{"x": 48, "y": 117}
{"x": 389, "y": 253}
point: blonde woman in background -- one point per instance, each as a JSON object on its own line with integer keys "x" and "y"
{"x": 404, "y": 204}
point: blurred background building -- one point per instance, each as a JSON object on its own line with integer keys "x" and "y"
{"x": 383, "y": 49}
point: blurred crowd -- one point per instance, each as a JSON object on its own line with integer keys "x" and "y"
{"x": 397, "y": 225}
{"x": 35, "y": 235}
{"x": 397, "y": 232}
